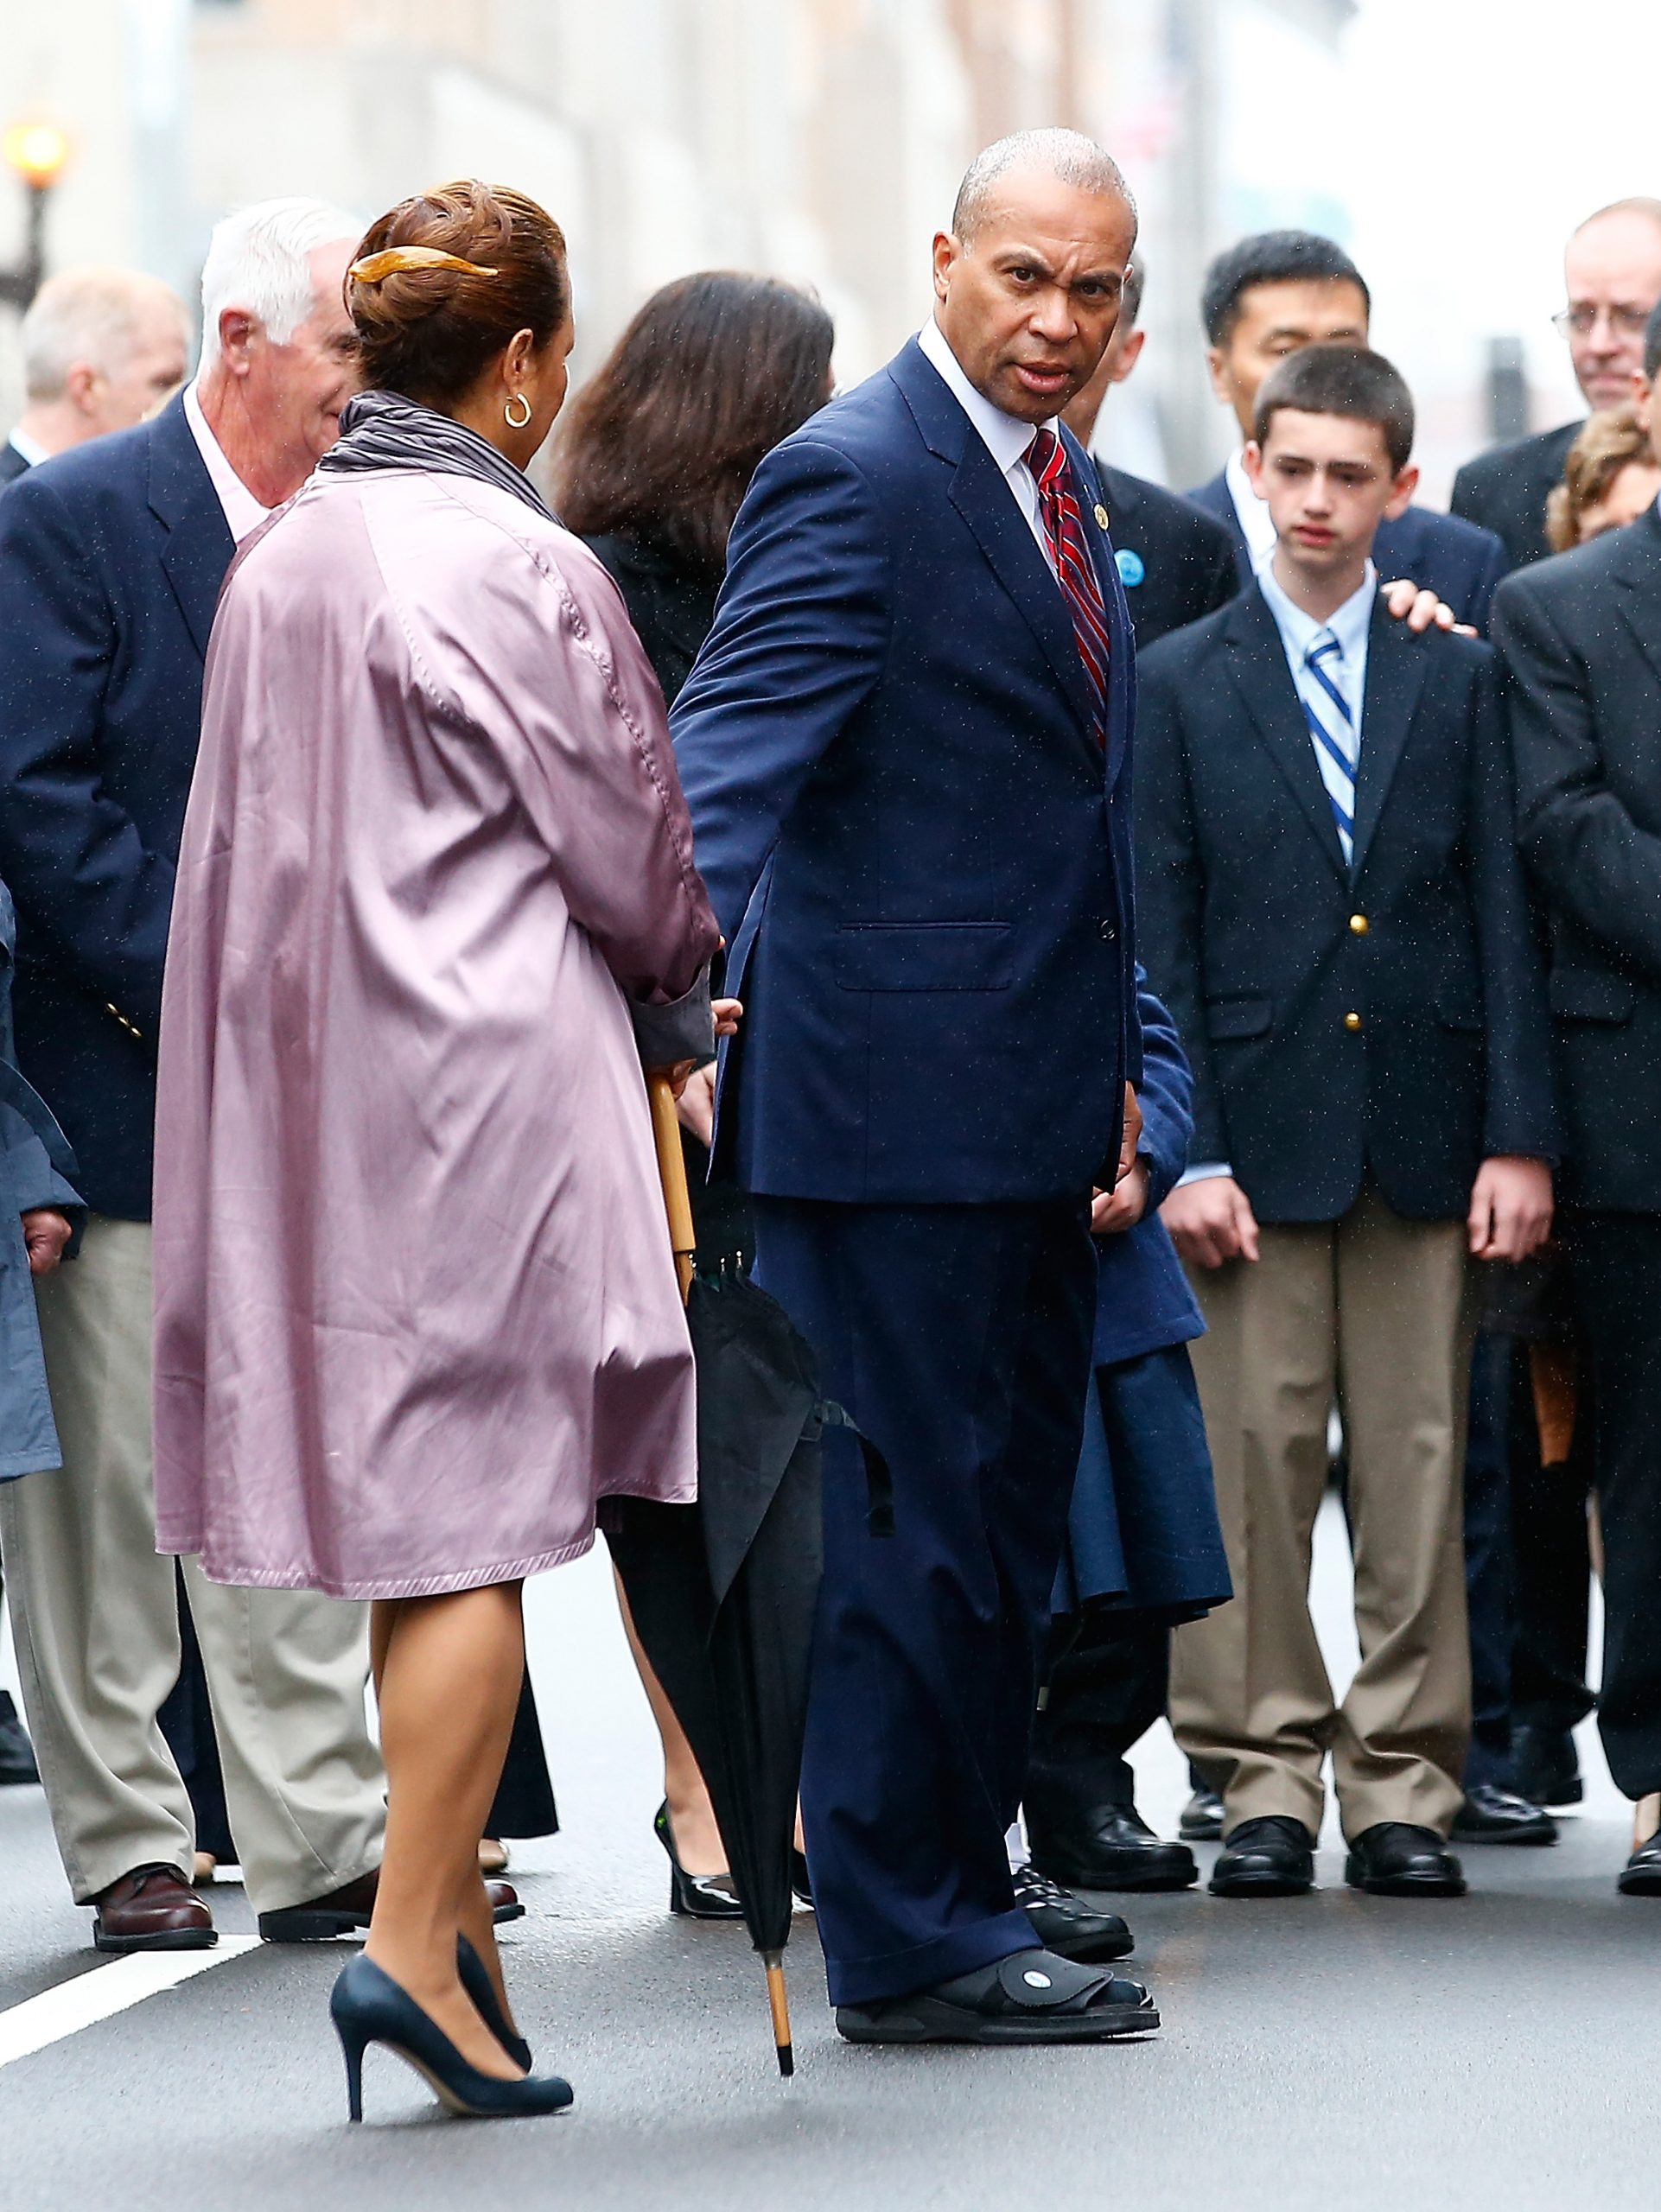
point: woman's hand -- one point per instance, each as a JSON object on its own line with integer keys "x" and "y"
{"x": 698, "y": 1104}
{"x": 46, "y": 1231}
{"x": 728, "y": 1013}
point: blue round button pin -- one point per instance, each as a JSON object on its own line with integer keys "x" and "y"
{"x": 1132, "y": 568}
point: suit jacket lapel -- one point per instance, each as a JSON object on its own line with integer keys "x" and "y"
{"x": 1638, "y": 576}
{"x": 983, "y": 499}
{"x": 1217, "y": 500}
{"x": 1258, "y": 663}
{"x": 199, "y": 547}
{"x": 1396, "y": 664}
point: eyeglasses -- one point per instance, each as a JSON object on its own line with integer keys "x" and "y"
{"x": 1581, "y": 322}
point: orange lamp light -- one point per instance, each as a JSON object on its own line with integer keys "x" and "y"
{"x": 36, "y": 151}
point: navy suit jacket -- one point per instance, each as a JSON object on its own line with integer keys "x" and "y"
{"x": 111, "y": 556}
{"x": 906, "y": 824}
{"x": 1263, "y": 942}
{"x": 1144, "y": 1303}
{"x": 1458, "y": 560}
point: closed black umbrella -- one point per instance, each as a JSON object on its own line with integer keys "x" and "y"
{"x": 724, "y": 1593}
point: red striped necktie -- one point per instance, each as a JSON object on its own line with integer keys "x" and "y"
{"x": 1064, "y": 525}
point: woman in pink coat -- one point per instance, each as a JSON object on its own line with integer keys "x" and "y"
{"x": 416, "y": 1308}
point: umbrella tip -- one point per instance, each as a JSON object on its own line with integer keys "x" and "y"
{"x": 786, "y": 2060}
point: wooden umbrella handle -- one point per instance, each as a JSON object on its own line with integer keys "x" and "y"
{"x": 671, "y": 1168}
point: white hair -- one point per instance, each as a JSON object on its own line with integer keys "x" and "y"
{"x": 258, "y": 261}
{"x": 90, "y": 317}
{"x": 1066, "y": 154}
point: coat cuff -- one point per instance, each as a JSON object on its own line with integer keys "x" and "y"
{"x": 683, "y": 1029}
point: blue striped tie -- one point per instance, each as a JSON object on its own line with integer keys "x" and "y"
{"x": 1334, "y": 734}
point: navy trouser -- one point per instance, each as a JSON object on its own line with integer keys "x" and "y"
{"x": 958, "y": 1338}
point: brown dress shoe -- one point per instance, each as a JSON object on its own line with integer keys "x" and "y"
{"x": 349, "y": 1908}
{"x": 152, "y": 1908}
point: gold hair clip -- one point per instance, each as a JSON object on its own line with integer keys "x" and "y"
{"x": 394, "y": 260}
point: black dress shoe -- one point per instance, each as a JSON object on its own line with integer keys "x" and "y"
{"x": 1641, "y": 1876}
{"x": 1395, "y": 1858}
{"x": 1202, "y": 1818}
{"x": 1065, "y": 1924}
{"x": 1274, "y": 1857}
{"x": 1546, "y": 1764}
{"x": 1111, "y": 1848}
{"x": 345, "y": 1910}
{"x": 1491, "y": 1815}
{"x": 16, "y": 1754}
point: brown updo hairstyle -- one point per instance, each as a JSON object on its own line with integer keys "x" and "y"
{"x": 1607, "y": 443}
{"x": 661, "y": 443}
{"x": 430, "y": 331}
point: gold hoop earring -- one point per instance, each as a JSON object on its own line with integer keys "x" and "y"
{"x": 517, "y": 421}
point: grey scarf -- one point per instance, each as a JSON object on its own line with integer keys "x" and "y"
{"x": 382, "y": 430}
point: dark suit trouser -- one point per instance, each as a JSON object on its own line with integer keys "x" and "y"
{"x": 1108, "y": 1680}
{"x": 1615, "y": 1280}
{"x": 958, "y": 1338}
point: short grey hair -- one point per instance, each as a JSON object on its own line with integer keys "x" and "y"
{"x": 1066, "y": 154}
{"x": 258, "y": 261}
{"x": 88, "y": 316}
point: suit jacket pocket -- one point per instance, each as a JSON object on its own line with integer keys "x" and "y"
{"x": 924, "y": 956}
{"x": 1239, "y": 1017}
{"x": 1590, "y": 994}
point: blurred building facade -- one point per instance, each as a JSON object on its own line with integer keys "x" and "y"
{"x": 821, "y": 139}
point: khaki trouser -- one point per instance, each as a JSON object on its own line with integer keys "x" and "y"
{"x": 95, "y": 1619}
{"x": 1375, "y": 1312}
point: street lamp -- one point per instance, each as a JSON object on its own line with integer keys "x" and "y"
{"x": 35, "y": 153}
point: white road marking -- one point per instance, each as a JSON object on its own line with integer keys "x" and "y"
{"x": 106, "y": 1991}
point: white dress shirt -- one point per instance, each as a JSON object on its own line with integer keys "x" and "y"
{"x": 1256, "y": 523}
{"x": 1006, "y": 437}
{"x": 1298, "y": 632}
{"x": 242, "y": 512}
{"x": 31, "y": 449}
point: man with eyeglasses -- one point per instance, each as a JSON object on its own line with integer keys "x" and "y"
{"x": 1612, "y": 268}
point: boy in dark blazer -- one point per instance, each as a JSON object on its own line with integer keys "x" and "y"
{"x": 1334, "y": 910}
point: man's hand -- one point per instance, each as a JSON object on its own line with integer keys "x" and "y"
{"x": 1419, "y": 609}
{"x": 1112, "y": 1212}
{"x": 1511, "y": 1208}
{"x": 1211, "y": 1222}
{"x": 728, "y": 1013}
{"x": 1131, "y": 1140}
{"x": 697, "y": 1106}
{"x": 46, "y": 1231}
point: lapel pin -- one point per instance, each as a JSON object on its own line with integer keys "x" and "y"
{"x": 1101, "y": 515}
{"x": 1131, "y": 566}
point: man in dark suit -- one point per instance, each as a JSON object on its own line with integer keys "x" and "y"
{"x": 1580, "y": 641}
{"x": 905, "y": 748}
{"x": 1264, "y": 298}
{"x": 111, "y": 556}
{"x": 1612, "y": 273}
{"x": 1175, "y": 561}
{"x": 1334, "y": 910}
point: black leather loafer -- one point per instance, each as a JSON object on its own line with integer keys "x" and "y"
{"x": 1111, "y": 1848}
{"x": 1546, "y": 1764}
{"x": 1274, "y": 1857}
{"x": 1394, "y": 1858}
{"x": 1033, "y": 1996}
{"x": 1065, "y": 1925}
{"x": 1201, "y": 1820}
{"x": 1491, "y": 1815}
{"x": 1641, "y": 1876}
{"x": 17, "y": 1766}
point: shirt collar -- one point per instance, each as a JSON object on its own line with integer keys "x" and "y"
{"x": 1348, "y": 625}
{"x": 31, "y": 449}
{"x": 242, "y": 512}
{"x": 1256, "y": 523}
{"x": 1006, "y": 437}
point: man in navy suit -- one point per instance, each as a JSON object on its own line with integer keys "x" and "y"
{"x": 1336, "y": 915}
{"x": 111, "y": 556}
{"x": 904, "y": 746}
{"x": 1264, "y": 298}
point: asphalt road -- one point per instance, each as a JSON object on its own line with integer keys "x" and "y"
{"x": 1370, "y": 2054}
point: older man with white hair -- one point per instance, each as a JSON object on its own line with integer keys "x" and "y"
{"x": 103, "y": 350}
{"x": 111, "y": 560}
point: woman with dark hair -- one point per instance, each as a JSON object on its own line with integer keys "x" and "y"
{"x": 653, "y": 459}
{"x": 436, "y": 906}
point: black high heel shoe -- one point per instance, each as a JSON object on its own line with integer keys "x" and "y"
{"x": 367, "y": 2006}
{"x": 475, "y": 1979}
{"x": 698, "y": 1897}
{"x": 799, "y": 1881}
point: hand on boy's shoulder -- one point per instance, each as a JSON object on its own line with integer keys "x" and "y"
{"x": 1420, "y": 609}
